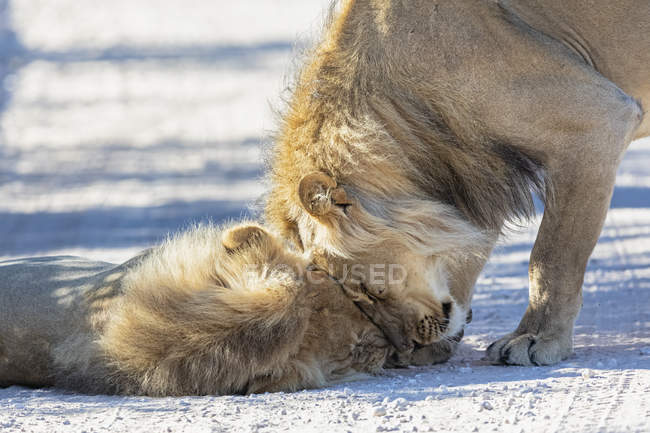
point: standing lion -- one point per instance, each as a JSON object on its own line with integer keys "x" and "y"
{"x": 208, "y": 312}
{"x": 419, "y": 129}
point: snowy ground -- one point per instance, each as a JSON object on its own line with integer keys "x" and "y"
{"x": 123, "y": 120}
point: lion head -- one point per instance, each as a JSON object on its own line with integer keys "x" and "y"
{"x": 393, "y": 253}
{"x": 387, "y": 177}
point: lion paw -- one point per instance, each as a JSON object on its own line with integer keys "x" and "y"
{"x": 435, "y": 353}
{"x": 529, "y": 349}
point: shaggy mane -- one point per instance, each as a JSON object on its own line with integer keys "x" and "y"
{"x": 357, "y": 115}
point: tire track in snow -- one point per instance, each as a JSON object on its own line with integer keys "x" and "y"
{"x": 563, "y": 409}
{"x": 592, "y": 403}
{"x": 617, "y": 401}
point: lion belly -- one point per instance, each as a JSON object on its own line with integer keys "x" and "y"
{"x": 41, "y": 306}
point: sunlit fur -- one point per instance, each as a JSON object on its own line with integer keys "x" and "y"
{"x": 408, "y": 151}
{"x": 426, "y": 182}
{"x": 441, "y": 119}
{"x": 192, "y": 317}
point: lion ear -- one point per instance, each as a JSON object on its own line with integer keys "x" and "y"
{"x": 241, "y": 236}
{"x": 318, "y": 192}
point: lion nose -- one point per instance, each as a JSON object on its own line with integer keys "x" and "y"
{"x": 446, "y": 309}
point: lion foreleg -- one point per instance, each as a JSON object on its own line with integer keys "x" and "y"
{"x": 583, "y": 182}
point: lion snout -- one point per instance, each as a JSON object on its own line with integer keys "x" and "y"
{"x": 431, "y": 328}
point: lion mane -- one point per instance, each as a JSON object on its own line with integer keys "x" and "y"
{"x": 409, "y": 152}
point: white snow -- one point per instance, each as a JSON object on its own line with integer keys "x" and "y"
{"x": 123, "y": 120}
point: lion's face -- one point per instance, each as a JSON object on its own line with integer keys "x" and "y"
{"x": 402, "y": 286}
{"x": 406, "y": 294}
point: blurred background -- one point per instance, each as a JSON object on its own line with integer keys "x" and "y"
{"x": 123, "y": 120}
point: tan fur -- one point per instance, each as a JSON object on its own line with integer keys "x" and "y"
{"x": 439, "y": 120}
{"x": 207, "y": 312}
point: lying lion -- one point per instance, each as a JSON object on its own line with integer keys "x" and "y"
{"x": 208, "y": 312}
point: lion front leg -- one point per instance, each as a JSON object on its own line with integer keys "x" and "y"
{"x": 582, "y": 188}
{"x": 568, "y": 234}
